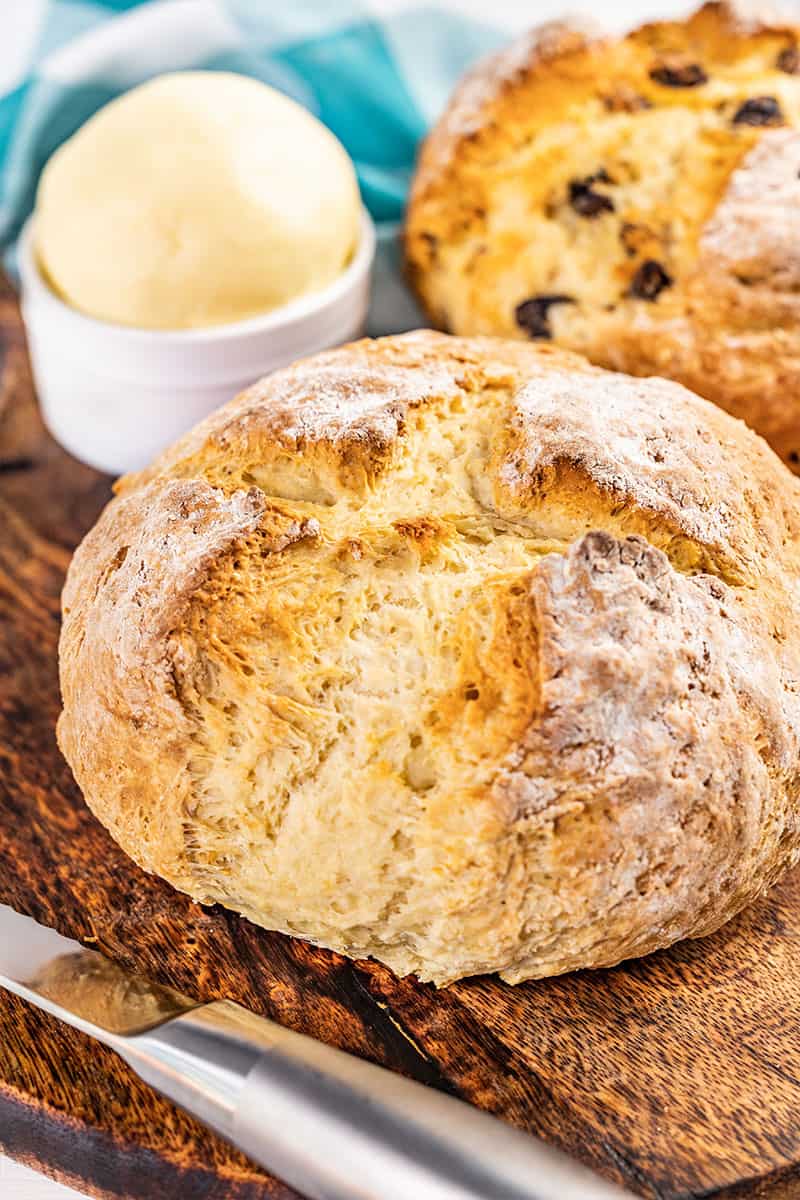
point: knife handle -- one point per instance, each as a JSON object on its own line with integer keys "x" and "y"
{"x": 336, "y": 1127}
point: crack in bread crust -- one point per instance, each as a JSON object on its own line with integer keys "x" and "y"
{"x": 644, "y": 190}
{"x": 458, "y": 652}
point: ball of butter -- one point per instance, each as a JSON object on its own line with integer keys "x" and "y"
{"x": 197, "y": 199}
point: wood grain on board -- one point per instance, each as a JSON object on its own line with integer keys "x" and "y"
{"x": 676, "y": 1075}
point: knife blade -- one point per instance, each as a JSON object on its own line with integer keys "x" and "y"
{"x": 77, "y": 985}
{"x": 333, "y": 1126}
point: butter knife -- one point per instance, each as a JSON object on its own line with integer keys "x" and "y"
{"x": 333, "y": 1126}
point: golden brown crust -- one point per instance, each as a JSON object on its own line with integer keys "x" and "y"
{"x": 641, "y": 194}
{"x": 458, "y": 652}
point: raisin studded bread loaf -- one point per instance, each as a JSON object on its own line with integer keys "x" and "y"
{"x": 459, "y": 653}
{"x": 635, "y": 199}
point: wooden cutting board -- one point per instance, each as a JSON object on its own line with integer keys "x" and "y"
{"x": 677, "y": 1075}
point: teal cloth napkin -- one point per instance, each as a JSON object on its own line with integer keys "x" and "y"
{"x": 376, "y": 82}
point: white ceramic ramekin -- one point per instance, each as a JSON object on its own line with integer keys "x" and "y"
{"x": 115, "y": 396}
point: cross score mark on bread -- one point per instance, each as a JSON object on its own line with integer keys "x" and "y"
{"x": 459, "y": 653}
{"x": 653, "y": 182}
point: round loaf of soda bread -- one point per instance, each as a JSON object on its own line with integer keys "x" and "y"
{"x": 635, "y": 199}
{"x": 460, "y": 653}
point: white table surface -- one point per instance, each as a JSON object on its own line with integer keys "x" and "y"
{"x": 20, "y": 25}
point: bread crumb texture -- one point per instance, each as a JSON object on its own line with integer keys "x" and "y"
{"x": 635, "y": 199}
{"x": 460, "y": 653}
